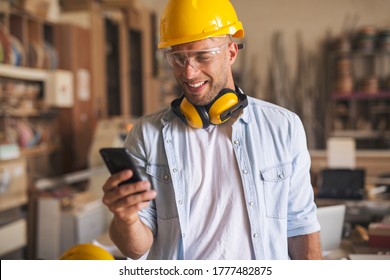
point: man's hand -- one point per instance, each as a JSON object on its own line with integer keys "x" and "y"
{"x": 126, "y": 200}
{"x": 132, "y": 237}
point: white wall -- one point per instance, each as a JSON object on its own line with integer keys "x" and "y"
{"x": 314, "y": 18}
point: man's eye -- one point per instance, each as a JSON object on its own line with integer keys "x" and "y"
{"x": 180, "y": 58}
{"x": 203, "y": 57}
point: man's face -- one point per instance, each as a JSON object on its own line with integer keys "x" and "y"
{"x": 203, "y": 68}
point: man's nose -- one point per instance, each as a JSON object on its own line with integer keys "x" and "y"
{"x": 189, "y": 68}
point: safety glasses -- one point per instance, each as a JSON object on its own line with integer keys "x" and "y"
{"x": 196, "y": 59}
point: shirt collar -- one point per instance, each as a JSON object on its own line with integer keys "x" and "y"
{"x": 245, "y": 115}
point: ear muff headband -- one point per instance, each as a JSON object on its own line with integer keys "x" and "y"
{"x": 227, "y": 103}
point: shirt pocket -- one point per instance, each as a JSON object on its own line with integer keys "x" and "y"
{"x": 276, "y": 180}
{"x": 161, "y": 180}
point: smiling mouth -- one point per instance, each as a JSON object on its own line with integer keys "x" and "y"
{"x": 196, "y": 85}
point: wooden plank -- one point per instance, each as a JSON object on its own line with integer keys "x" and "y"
{"x": 98, "y": 64}
{"x": 125, "y": 93}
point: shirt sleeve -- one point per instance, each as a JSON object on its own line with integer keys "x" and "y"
{"x": 135, "y": 145}
{"x": 302, "y": 211}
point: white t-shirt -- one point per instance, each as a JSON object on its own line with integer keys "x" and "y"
{"x": 218, "y": 226}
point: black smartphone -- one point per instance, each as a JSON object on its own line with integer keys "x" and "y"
{"x": 119, "y": 159}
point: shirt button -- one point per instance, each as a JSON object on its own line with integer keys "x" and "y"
{"x": 166, "y": 177}
{"x": 174, "y": 170}
{"x": 251, "y": 203}
{"x": 184, "y": 235}
{"x": 236, "y": 142}
{"x": 255, "y": 235}
{"x": 281, "y": 176}
{"x": 180, "y": 202}
{"x": 245, "y": 171}
{"x": 168, "y": 141}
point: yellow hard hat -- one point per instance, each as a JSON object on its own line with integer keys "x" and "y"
{"x": 185, "y": 21}
{"x": 86, "y": 252}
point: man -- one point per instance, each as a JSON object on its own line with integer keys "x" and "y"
{"x": 226, "y": 175}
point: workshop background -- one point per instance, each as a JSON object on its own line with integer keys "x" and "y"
{"x": 75, "y": 75}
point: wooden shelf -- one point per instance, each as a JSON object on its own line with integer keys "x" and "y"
{"x": 364, "y": 117}
{"x": 23, "y": 73}
{"x": 39, "y": 150}
{"x": 19, "y": 113}
{"x": 359, "y": 82}
{"x": 11, "y": 200}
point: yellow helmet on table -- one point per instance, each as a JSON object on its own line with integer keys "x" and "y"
{"x": 185, "y": 21}
{"x": 86, "y": 252}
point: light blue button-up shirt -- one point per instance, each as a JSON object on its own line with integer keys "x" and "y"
{"x": 270, "y": 148}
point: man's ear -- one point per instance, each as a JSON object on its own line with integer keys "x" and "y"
{"x": 233, "y": 51}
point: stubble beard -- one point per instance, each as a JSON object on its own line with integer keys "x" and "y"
{"x": 216, "y": 87}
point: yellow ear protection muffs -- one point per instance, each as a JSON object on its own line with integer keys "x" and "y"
{"x": 226, "y": 104}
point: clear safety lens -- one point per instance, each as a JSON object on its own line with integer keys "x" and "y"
{"x": 196, "y": 58}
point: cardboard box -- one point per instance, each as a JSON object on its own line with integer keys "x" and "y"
{"x": 59, "y": 229}
{"x": 13, "y": 181}
{"x": 59, "y": 90}
{"x": 13, "y": 236}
